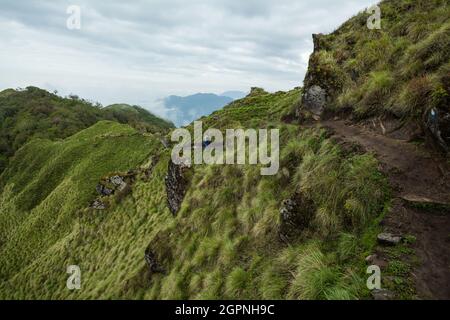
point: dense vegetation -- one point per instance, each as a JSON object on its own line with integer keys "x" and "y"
{"x": 401, "y": 70}
{"x": 36, "y": 113}
{"x": 222, "y": 244}
{"x": 45, "y": 221}
{"x": 137, "y": 117}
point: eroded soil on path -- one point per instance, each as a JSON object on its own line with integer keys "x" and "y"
{"x": 421, "y": 183}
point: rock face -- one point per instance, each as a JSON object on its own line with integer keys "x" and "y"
{"x": 314, "y": 100}
{"x": 118, "y": 182}
{"x": 319, "y": 43}
{"x": 388, "y": 239}
{"x": 98, "y": 205}
{"x": 103, "y": 190}
{"x": 437, "y": 122}
{"x": 319, "y": 85}
{"x": 295, "y": 216}
{"x": 152, "y": 262}
{"x": 175, "y": 186}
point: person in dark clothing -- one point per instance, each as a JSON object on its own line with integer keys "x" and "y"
{"x": 206, "y": 142}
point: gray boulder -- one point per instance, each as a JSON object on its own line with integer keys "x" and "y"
{"x": 388, "y": 239}
{"x": 103, "y": 191}
{"x": 116, "y": 180}
{"x": 152, "y": 262}
{"x": 98, "y": 205}
{"x": 314, "y": 100}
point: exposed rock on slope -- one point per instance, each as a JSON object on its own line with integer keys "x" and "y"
{"x": 321, "y": 81}
{"x": 295, "y": 216}
{"x": 120, "y": 184}
{"x": 400, "y": 72}
{"x": 152, "y": 262}
{"x": 176, "y": 184}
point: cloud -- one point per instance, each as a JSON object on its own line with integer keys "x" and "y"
{"x": 138, "y": 51}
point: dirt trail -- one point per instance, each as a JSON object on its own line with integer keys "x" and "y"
{"x": 421, "y": 180}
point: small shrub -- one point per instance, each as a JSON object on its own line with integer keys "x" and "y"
{"x": 374, "y": 93}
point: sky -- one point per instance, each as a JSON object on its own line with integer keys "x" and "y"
{"x": 140, "y": 51}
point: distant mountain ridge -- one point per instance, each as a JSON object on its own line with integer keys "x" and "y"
{"x": 234, "y": 94}
{"x": 36, "y": 113}
{"x": 346, "y": 196}
{"x": 184, "y": 110}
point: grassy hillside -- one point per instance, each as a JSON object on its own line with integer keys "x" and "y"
{"x": 225, "y": 240}
{"x": 45, "y": 222}
{"x": 401, "y": 70}
{"x": 137, "y": 117}
{"x": 36, "y": 113}
{"x": 223, "y": 243}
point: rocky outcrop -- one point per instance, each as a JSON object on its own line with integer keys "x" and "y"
{"x": 152, "y": 262}
{"x": 388, "y": 239}
{"x": 116, "y": 183}
{"x": 255, "y": 91}
{"x": 103, "y": 190}
{"x": 319, "y": 42}
{"x": 295, "y": 215}
{"x": 119, "y": 184}
{"x": 322, "y": 80}
{"x": 98, "y": 205}
{"x": 176, "y": 185}
{"x": 315, "y": 99}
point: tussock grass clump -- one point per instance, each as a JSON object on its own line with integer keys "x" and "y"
{"x": 237, "y": 282}
{"x": 415, "y": 97}
{"x": 374, "y": 52}
{"x": 429, "y": 54}
{"x": 325, "y": 71}
{"x": 312, "y": 275}
{"x": 383, "y": 67}
{"x": 344, "y": 191}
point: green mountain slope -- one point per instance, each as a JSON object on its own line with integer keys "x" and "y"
{"x": 399, "y": 73}
{"x": 137, "y": 117}
{"x": 45, "y": 195}
{"x": 36, "y": 113}
{"x": 304, "y": 233}
{"x": 224, "y": 242}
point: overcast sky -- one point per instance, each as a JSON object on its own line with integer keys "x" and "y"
{"x": 139, "y": 51}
